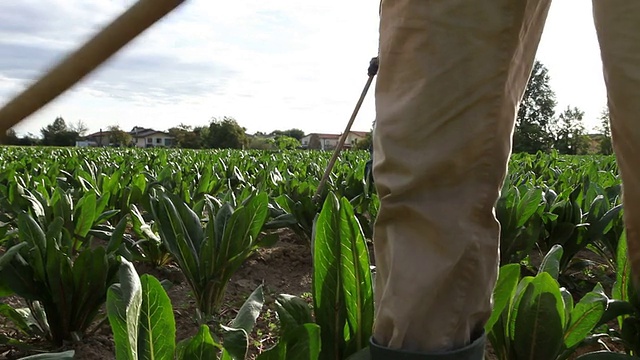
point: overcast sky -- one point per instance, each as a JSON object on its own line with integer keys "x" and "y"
{"x": 276, "y": 64}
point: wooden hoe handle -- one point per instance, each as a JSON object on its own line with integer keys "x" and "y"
{"x": 82, "y": 62}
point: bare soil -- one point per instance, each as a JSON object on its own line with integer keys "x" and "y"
{"x": 283, "y": 269}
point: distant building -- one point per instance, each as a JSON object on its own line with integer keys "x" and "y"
{"x": 354, "y": 137}
{"x": 145, "y": 138}
{"x": 330, "y": 141}
{"x": 140, "y": 137}
{"x": 100, "y": 138}
{"x": 85, "y": 143}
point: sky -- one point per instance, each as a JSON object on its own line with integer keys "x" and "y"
{"x": 277, "y": 64}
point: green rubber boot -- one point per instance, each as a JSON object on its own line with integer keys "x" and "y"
{"x": 473, "y": 351}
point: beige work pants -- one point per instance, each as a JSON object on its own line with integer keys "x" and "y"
{"x": 451, "y": 76}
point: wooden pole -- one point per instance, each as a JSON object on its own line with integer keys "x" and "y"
{"x": 336, "y": 152}
{"x": 141, "y": 16}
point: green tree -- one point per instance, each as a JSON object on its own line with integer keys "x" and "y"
{"x": 226, "y": 133}
{"x": 187, "y": 137}
{"x": 535, "y": 113}
{"x": 294, "y": 133}
{"x": 569, "y": 132}
{"x": 284, "y": 142}
{"x": 58, "y": 134}
{"x": 365, "y": 144}
{"x": 606, "y": 145}
{"x": 261, "y": 143}
{"x": 11, "y": 138}
{"x": 27, "y": 140}
{"x": 118, "y": 137}
{"x": 314, "y": 142}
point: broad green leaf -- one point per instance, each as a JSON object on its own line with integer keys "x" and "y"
{"x": 102, "y": 203}
{"x": 124, "y": 302}
{"x": 87, "y": 209}
{"x": 528, "y": 205}
{"x": 615, "y": 309}
{"x": 292, "y": 312}
{"x": 20, "y": 277}
{"x": 36, "y": 205}
{"x": 89, "y": 278}
{"x": 551, "y": 261}
{"x": 328, "y": 298}
{"x": 234, "y": 238}
{"x": 249, "y": 312}
{"x": 568, "y": 305}
{"x": 10, "y": 254}
{"x": 16, "y": 317}
{"x": 620, "y": 289}
{"x": 201, "y": 346}
{"x": 503, "y": 292}
{"x": 584, "y": 318}
{"x": 190, "y": 222}
{"x": 173, "y": 234}
{"x": 304, "y": 344}
{"x": 54, "y": 230}
{"x": 258, "y": 208}
{"x": 236, "y": 343}
{"x": 356, "y": 279}
{"x": 59, "y": 281}
{"x": 157, "y": 335}
{"x": 539, "y": 322}
{"x": 514, "y": 307}
{"x": 236, "y": 335}
{"x": 117, "y": 235}
{"x": 32, "y": 233}
{"x": 598, "y": 229}
{"x": 104, "y": 216}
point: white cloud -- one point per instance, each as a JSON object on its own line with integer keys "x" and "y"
{"x": 271, "y": 65}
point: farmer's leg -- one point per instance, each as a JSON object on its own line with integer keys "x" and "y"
{"x": 451, "y": 76}
{"x": 618, "y": 26}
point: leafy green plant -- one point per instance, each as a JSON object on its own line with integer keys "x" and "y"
{"x": 141, "y": 317}
{"x": 304, "y": 211}
{"x": 624, "y": 305}
{"x": 299, "y": 337}
{"x": 148, "y": 247}
{"x": 568, "y": 225}
{"x": 210, "y": 255}
{"x": 520, "y": 211}
{"x": 342, "y": 293}
{"x": 533, "y": 318}
{"x": 63, "y": 292}
{"x": 342, "y": 281}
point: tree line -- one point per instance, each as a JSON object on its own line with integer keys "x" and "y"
{"x": 537, "y": 128}
{"x": 224, "y": 133}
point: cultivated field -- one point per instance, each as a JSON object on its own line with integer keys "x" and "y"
{"x": 131, "y": 254}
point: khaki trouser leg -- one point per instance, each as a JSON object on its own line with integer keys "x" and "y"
{"x": 451, "y": 76}
{"x": 618, "y": 26}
